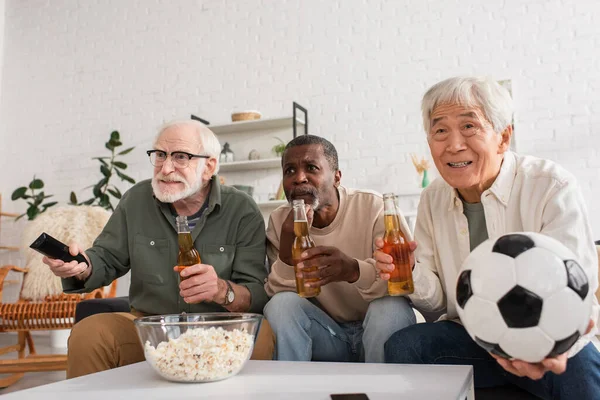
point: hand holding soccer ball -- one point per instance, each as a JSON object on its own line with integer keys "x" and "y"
{"x": 524, "y": 296}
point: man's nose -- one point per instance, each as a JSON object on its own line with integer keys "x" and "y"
{"x": 456, "y": 142}
{"x": 167, "y": 166}
{"x": 300, "y": 177}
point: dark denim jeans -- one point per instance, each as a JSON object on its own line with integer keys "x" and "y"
{"x": 448, "y": 342}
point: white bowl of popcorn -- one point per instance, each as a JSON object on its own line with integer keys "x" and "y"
{"x": 198, "y": 347}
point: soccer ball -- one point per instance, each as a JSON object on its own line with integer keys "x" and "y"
{"x": 523, "y": 296}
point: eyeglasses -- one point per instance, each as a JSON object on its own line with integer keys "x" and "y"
{"x": 180, "y": 159}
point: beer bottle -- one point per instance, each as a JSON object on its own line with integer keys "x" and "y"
{"x": 396, "y": 245}
{"x": 302, "y": 241}
{"x": 188, "y": 255}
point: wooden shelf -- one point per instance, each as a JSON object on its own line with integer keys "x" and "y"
{"x": 272, "y": 203}
{"x": 250, "y": 165}
{"x": 3, "y": 214}
{"x": 9, "y": 248}
{"x": 409, "y": 192}
{"x": 254, "y": 125}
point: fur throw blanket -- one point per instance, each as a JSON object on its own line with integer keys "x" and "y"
{"x": 81, "y": 224}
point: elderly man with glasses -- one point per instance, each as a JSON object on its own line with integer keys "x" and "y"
{"x": 227, "y": 228}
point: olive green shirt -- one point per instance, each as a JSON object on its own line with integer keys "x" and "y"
{"x": 476, "y": 220}
{"x": 141, "y": 236}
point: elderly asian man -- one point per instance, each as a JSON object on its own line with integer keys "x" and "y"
{"x": 486, "y": 191}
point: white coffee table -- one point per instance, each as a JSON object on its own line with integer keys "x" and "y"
{"x": 261, "y": 380}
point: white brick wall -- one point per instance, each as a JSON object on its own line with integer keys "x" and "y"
{"x": 2, "y": 6}
{"x": 75, "y": 70}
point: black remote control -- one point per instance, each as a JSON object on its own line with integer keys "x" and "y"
{"x": 53, "y": 248}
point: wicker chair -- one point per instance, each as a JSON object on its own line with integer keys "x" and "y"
{"x": 24, "y": 316}
{"x": 41, "y": 306}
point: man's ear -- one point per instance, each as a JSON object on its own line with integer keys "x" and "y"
{"x": 209, "y": 171}
{"x": 506, "y": 137}
{"x": 337, "y": 178}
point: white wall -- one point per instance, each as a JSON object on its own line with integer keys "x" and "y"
{"x": 75, "y": 70}
{"x": 2, "y": 7}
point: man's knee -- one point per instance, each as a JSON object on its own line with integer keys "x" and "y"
{"x": 393, "y": 311}
{"x": 101, "y": 342}
{"x": 89, "y": 331}
{"x": 284, "y": 306}
{"x": 406, "y": 346}
{"x": 102, "y": 327}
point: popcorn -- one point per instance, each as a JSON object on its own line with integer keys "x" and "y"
{"x": 201, "y": 355}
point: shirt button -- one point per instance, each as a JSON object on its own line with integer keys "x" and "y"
{"x": 221, "y": 249}
{"x": 463, "y": 231}
{"x": 152, "y": 243}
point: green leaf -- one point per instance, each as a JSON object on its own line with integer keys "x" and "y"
{"x": 73, "y": 198}
{"x": 126, "y": 151}
{"x": 37, "y": 200}
{"x": 98, "y": 188}
{"x": 109, "y": 146}
{"x": 103, "y": 163}
{"x": 88, "y": 202}
{"x": 114, "y": 193}
{"x": 19, "y": 193}
{"x": 125, "y": 177}
{"x": 100, "y": 158}
{"x": 105, "y": 171}
{"x": 120, "y": 164}
{"x": 20, "y": 216}
{"x": 105, "y": 201}
{"x": 36, "y": 184}
{"x": 115, "y": 143}
{"x": 50, "y": 195}
{"x": 101, "y": 183}
{"x": 114, "y": 135}
{"x": 32, "y": 212}
{"x": 48, "y": 205}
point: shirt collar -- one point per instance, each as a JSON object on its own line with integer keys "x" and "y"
{"x": 502, "y": 186}
{"x": 214, "y": 198}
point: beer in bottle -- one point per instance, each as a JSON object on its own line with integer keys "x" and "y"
{"x": 396, "y": 245}
{"x": 188, "y": 255}
{"x": 302, "y": 241}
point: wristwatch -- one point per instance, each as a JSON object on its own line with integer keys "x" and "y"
{"x": 229, "y": 295}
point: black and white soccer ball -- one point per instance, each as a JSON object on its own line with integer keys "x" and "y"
{"x": 523, "y": 296}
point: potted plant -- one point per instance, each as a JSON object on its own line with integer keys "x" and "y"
{"x": 109, "y": 167}
{"x": 279, "y": 148}
{"x": 34, "y": 200}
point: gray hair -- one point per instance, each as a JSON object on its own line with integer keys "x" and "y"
{"x": 483, "y": 92}
{"x": 206, "y": 137}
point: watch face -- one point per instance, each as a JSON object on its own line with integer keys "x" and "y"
{"x": 230, "y": 296}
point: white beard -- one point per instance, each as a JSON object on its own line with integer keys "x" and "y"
{"x": 189, "y": 190}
